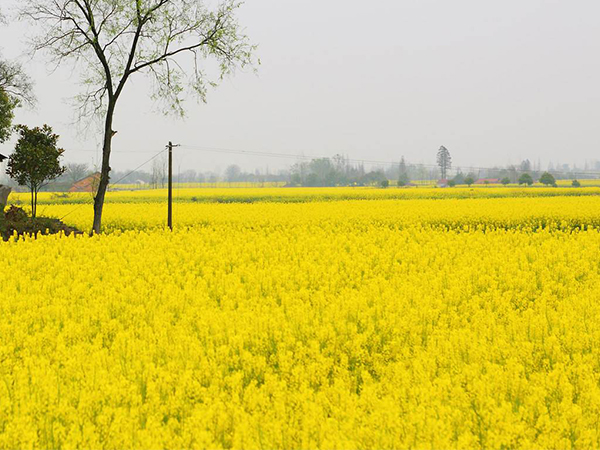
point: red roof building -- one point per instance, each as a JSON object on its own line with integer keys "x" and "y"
{"x": 87, "y": 184}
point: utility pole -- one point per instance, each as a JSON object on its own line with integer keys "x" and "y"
{"x": 170, "y": 208}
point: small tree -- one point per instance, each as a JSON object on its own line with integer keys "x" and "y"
{"x": 451, "y": 183}
{"x": 505, "y": 181}
{"x": 469, "y": 180}
{"x": 385, "y": 183}
{"x": 576, "y": 183}
{"x": 35, "y": 161}
{"x": 547, "y": 179}
{"x": 525, "y": 179}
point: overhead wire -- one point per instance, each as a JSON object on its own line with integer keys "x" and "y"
{"x": 116, "y": 182}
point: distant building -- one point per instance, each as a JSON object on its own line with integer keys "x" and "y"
{"x": 87, "y": 184}
{"x": 488, "y": 181}
{"x": 442, "y": 183}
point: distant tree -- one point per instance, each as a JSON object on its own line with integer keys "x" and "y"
{"x": 322, "y": 172}
{"x": 525, "y": 166}
{"x": 385, "y": 184}
{"x": 505, "y": 181}
{"x": 451, "y": 183}
{"x": 459, "y": 178}
{"x": 547, "y": 179}
{"x": 76, "y": 172}
{"x": 295, "y": 179}
{"x": 232, "y": 173}
{"x": 444, "y": 161}
{"x": 36, "y": 160}
{"x": 469, "y": 180}
{"x": 526, "y": 179}
{"x": 576, "y": 183}
{"x": 374, "y": 177}
{"x": 403, "y": 177}
{"x": 159, "y": 172}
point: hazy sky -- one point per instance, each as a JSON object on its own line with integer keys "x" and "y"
{"x": 493, "y": 81}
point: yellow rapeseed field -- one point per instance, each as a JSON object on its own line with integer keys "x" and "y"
{"x": 340, "y": 322}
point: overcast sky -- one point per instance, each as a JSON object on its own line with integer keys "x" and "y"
{"x": 493, "y": 81}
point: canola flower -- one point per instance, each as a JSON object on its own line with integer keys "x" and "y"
{"x": 343, "y": 324}
{"x": 304, "y": 195}
{"x": 488, "y": 213}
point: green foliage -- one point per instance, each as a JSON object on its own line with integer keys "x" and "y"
{"x": 36, "y": 159}
{"x": 15, "y": 89}
{"x": 526, "y": 179}
{"x": 469, "y": 180}
{"x": 505, "y": 181}
{"x": 576, "y": 183}
{"x": 7, "y": 105}
{"x": 458, "y": 179}
{"x": 451, "y": 183}
{"x": 547, "y": 179}
{"x": 385, "y": 183}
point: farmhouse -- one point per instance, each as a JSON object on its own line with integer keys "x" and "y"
{"x": 488, "y": 181}
{"x": 87, "y": 184}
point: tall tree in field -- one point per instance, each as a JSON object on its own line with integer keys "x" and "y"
{"x": 36, "y": 160}
{"x": 113, "y": 40}
{"x": 444, "y": 161}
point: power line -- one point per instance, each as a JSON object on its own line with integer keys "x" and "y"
{"x": 112, "y": 152}
{"x": 140, "y": 166}
{"x": 116, "y": 182}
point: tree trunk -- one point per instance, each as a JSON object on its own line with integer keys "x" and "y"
{"x": 35, "y": 202}
{"x": 32, "y": 203}
{"x": 105, "y": 171}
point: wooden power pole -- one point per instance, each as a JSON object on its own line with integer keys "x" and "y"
{"x": 170, "y": 208}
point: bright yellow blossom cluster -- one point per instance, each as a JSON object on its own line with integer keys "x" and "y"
{"x": 398, "y": 323}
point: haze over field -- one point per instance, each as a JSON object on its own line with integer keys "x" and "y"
{"x": 494, "y": 82}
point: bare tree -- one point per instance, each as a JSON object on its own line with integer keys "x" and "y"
{"x": 76, "y": 172}
{"x": 116, "y": 39}
{"x": 15, "y": 83}
{"x": 159, "y": 172}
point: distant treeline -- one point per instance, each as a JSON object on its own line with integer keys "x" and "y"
{"x": 335, "y": 171}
